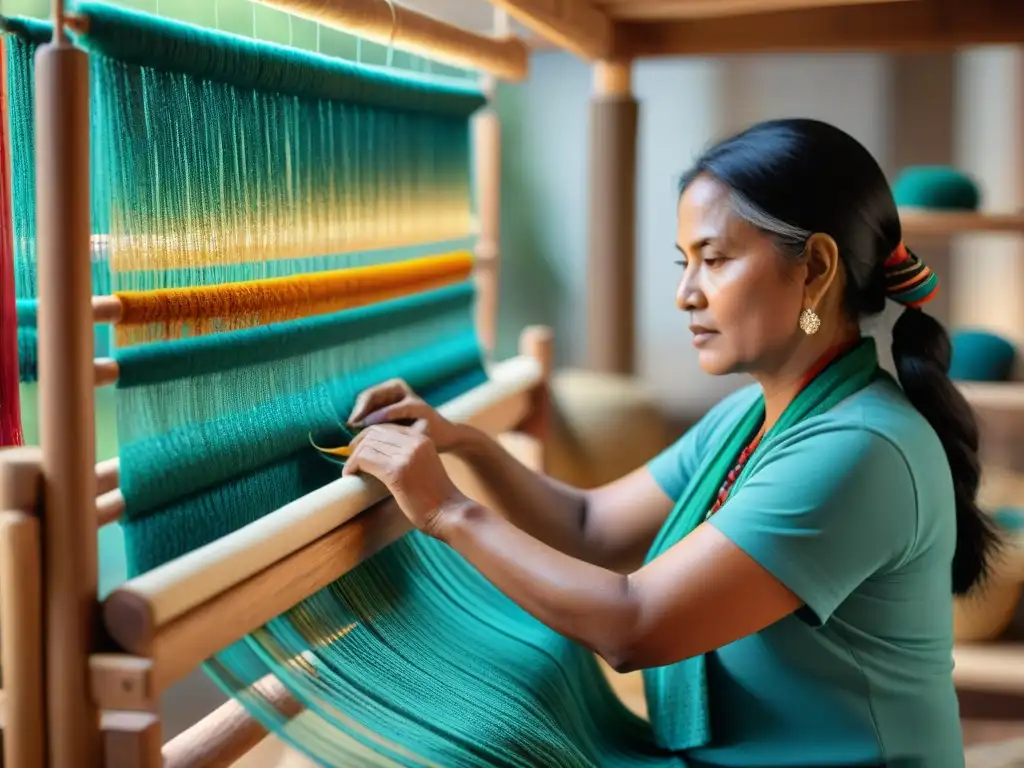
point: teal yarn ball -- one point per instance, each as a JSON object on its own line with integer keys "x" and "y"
{"x": 981, "y": 356}
{"x": 1010, "y": 520}
{"x": 937, "y": 187}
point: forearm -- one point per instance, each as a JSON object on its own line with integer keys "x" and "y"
{"x": 588, "y": 604}
{"x": 546, "y": 509}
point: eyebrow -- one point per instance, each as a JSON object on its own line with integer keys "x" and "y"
{"x": 696, "y": 245}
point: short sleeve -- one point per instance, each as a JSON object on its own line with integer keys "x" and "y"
{"x": 673, "y": 468}
{"x": 824, "y": 512}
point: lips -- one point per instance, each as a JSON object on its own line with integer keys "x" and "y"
{"x": 701, "y": 335}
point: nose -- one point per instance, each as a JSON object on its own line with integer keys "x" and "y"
{"x": 689, "y": 295}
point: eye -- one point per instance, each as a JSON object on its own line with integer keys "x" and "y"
{"x": 680, "y": 263}
{"x": 714, "y": 261}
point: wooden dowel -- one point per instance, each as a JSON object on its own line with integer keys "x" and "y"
{"x": 106, "y": 309}
{"x": 105, "y": 371}
{"x": 181, "y": 646}
{"x": 109, "y": 507}
{"x": 228, "y": 733}
{"x": 390, "y": 23}
{"x": 21, "y": 652}
{"x": 66, "y": 418}
{"x": 21, "y": 480}
{"x": 137, "y": 611}
{"x": 108, "y": 475}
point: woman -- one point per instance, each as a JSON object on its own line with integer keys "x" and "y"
{"x": 800, "y": 545}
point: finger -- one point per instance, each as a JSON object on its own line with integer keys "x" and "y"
{"x": 356, "y": 461}
{"x": 370, "y": 461}
{"x": 382, "y": 434}
{"x": 376, "y": 397}
{"x": 407, "y": 409}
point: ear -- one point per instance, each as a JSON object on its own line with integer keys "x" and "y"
{"x": 821, "y": 258}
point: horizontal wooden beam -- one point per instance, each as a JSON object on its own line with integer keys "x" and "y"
{"x": 896, "y": 26}
{"x": 575, "y": 25}
{"x": 702, "y": 9}
{"x": 392, "y": 24}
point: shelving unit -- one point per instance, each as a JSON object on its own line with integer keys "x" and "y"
{"x": 1001, "y": 396}
{"x": 922, "y": 223}
{"x": 991, "y": 667}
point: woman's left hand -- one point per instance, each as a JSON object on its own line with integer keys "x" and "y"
{"x": 407, "y": 462}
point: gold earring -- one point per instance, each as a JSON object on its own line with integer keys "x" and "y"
{"x": 809, "y": 322}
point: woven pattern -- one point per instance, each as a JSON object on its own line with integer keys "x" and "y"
{"x": 20, "y": 45}
{"x": 284, "y": 230}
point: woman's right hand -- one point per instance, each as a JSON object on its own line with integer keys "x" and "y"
{"x": 395, "y": 402}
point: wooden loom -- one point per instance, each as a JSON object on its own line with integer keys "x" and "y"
{"x": 65, "y": 703}
{"x": 68, "y": 706}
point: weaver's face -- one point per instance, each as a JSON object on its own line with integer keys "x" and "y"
{"x": 743, "y": 297}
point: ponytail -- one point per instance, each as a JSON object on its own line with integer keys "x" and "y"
{"x": 922, "y": 352}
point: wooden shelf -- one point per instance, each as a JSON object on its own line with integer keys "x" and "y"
{"x": 996, "y": 667}
{"x": 919, "y": 223}
{"x": 1002, "y": 396}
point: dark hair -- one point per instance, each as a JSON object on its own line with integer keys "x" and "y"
{"x": 793, "y": 178}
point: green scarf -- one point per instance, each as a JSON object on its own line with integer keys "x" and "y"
{"x": 677, "y": 693}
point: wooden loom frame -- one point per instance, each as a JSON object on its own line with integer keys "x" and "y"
{"x": 66, "y": 703}
{"x": 54, "y": 696}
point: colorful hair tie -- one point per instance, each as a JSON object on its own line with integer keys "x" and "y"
{"x": 908, "y": 280}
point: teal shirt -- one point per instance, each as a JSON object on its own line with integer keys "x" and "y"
{"x": 853, "y": 510}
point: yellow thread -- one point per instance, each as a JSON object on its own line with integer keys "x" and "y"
{"x": 343, "y": 451}
{"x": 174, "y": 245}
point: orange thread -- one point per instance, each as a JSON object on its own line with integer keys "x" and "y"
{"x": 171, "y": 313}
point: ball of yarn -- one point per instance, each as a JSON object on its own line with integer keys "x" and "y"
{"x": 1010, "y": 520}
{"x": 937, "y": 187}
{"x": 981, "y": 356}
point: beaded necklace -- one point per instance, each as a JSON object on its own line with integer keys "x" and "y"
{"x": 746, "y": 453}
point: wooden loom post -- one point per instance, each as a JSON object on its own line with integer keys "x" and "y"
{"x": 538, "y": 342}
{"x": 610, "y": 248}
{"x": 66, "y": 418}
{"x": 487, "y": 159}
{"x": 21, "y": 609}
{"x": 487, "y": 167}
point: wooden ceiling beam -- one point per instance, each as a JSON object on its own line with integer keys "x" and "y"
{"x": 636, "y": 10}
{"x": 896, "y": 26}
{"x": 575, "y": 25}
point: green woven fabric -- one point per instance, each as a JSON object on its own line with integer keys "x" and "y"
{"x": 240, "y": 408}
{"x": 291, "y": 161}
